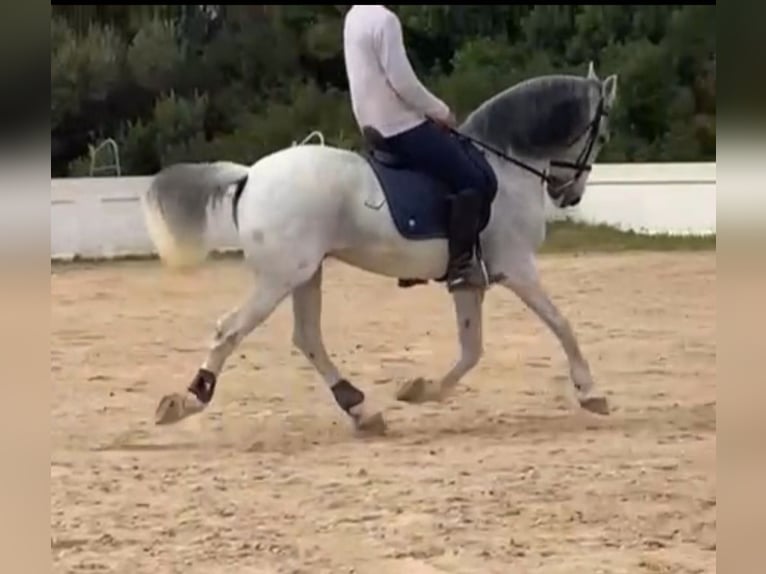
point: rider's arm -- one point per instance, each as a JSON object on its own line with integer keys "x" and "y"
{"x": 400, "y": 74}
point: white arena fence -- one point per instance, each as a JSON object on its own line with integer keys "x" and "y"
{"x": 100, "y": 217}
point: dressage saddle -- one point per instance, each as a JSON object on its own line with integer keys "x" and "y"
{"x": 375, "y": 145}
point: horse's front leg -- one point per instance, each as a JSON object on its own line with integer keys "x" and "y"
{"x": 524, "y": 282}
{"x": 468, "y": 311}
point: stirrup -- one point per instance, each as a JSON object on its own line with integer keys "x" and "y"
{"x": 484, "y": 270}
{"x": 473, "y": 277}
{"x": 479, "y": 253}
{"x": 464, "y": 281}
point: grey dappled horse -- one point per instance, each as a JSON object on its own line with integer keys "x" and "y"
{"x": 295, "y": 207}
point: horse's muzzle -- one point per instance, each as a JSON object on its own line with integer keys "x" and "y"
{"x": 571, "y": 201}
{"x": 563, "y": 193}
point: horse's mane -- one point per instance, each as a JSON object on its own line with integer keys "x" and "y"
{"x": 534, "y": 117}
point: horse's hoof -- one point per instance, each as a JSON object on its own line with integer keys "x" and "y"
{"x": 372, "y": 425}
{"x": 176, "y": 407}
{"x": 416, "y": 391}
{"x": 597, "y": 405}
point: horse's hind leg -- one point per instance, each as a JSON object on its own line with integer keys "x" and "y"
{"x": 230, "y": 331}
{"x": 307, "y": 337}
{"x": 468, "y": 311}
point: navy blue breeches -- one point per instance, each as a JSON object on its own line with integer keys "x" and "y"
{"x": 429, "y": 148}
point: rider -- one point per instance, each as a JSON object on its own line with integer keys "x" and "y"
{"x": 387, "y": 96}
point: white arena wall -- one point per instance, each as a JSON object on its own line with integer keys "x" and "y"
{"x": 100, "y": 217}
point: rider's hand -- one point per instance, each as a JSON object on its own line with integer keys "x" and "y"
{"x": 447, "y": 122}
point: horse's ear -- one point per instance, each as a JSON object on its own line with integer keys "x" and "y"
{"x": 592, "y": 71}
{"x": 609, "y": 89}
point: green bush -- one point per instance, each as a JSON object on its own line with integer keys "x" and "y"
{"x": 155, "y": 55}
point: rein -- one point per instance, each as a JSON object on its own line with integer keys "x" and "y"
{"x": 580, "y": 165}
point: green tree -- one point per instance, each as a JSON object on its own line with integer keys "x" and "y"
{"x": 218, "y": 81}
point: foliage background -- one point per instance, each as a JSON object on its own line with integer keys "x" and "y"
{"x": 206, "y": 82}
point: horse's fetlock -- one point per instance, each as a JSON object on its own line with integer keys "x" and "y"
{"x": 203, "y": 385}
{"x": 347, "y": 395}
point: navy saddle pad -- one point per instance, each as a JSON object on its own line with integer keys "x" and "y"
{"x": 419, "y": 202}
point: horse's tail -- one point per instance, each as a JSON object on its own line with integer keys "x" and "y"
{"x": 176, "y": 203}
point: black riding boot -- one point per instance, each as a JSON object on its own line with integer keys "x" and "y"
{"x": 463, "y": 270}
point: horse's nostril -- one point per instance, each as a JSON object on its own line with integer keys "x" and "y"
{"x": 554, "y": 191}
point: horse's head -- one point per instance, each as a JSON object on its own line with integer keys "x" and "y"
{"x": 570, "y": 169}
{"x": 559, "y": 122}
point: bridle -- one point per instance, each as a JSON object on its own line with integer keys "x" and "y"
{"x": 580, "y": 165}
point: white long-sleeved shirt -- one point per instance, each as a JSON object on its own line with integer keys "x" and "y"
{"x": 385, "y": 92}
